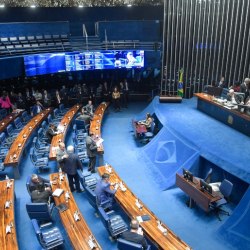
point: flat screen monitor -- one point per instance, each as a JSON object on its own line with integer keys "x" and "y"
{"x": 215, "y": 91}
{"x": 188, "y": 175}
{"x": 206, "y": 187}
{"x": 75, "y": 61}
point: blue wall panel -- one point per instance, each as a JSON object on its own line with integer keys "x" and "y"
{"x": 19, "y": 29}
{"x": 149, "y": 30}
{"x": 11, "y": 67}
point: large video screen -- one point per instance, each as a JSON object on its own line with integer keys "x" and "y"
{"x": 74, "y": 61}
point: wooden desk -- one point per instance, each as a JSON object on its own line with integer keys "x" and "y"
{"x": 193, "y": 190}
{"x": 231, "y": 117}
{"x": 96, "y": 123}
{"x": 13, "y": 158}
{"x": 127, "y": 201}
{"x": 78, "y": 231}
{"x": 65, "y": 122}
{"x": 139, "y": 129}
{"x": 7, "y": 217}
{"x": 8, "y": 120}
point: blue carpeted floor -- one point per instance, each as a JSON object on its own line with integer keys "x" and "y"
{"x": 125, "y": 155}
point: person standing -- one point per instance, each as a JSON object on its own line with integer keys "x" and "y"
{"x": 116, "y": 96}
{"x": 61, "y": 154}
{"x": 70, "y": 166}
{"x": 5, "y": 102}
{"x": 125, "y": 93}
{"x": 91, "y": 151}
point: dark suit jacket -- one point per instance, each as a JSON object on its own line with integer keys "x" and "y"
{"x": 238, "y": 98}
{"x": 33, "y": 185}
{"x": 134, "y": 237}
{"x": 37, "y": 196}
{"x": 71, "y": 164}
{"x": 50, "y": 133}
{"x": 91, "y": 147}
{"x": 103, "y": 191}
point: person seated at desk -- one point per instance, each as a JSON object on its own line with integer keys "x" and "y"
{"x": 103, "y": 192}
{"x": 135, "y": 234}
{"x": 51, "y": 131}
{"x": 234, "y": 98}
{"x": 38, "y": 180}
{"x": 147, "y": 122}
{"x": 41, "y": 194}
{"x": 37, "y": 108}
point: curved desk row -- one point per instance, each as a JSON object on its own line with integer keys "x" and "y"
{"x": 157, "y": 232}
{"x": 9, "y": 119}
{"x": 96, "y": 123}
{"x": 77, "y": 229}
{"x": 8, "y": 237}
{"x": 13, "y": 158}
{"x": 65, "y": 123}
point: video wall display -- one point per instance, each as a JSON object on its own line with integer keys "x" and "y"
{"x": 74, "y": 61}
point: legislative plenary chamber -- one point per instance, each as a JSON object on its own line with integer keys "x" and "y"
{"x": 125, "y": 124}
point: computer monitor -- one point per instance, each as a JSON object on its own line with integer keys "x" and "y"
{"x": 215, "y": 91}
{"x": 206, "y": 187}
{"x": 187, "y": 175}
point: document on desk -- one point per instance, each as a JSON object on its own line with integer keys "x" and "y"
{"x": 58, "y": 192}
{"x": 143, "y": 218}
{"x": 99, "y": 142}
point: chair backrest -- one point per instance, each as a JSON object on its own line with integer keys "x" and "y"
{"x": 208, "y": 176}
{"x": 91, "y": 196}
{"x": 44, "y": 125}
{"x": 18, "y": 123}
{"x": 28, "y": 180}
{"x": 226, "y": 188}
{"x": 152, "y": 129}
{"x": 25, "y": 116}
{"x": 33, "y": 156}
{"x": 49, "y": 118}
{"x": 9, "y": 129}
{"x": 55, "y": 112}
{"x": 127, "y": 245}
{"x": 2, "y": 138}
{"x": 39, "y": 211}
{"x": 61, "y": 107}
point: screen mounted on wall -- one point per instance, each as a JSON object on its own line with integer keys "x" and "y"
{"x": 75, "y": 61}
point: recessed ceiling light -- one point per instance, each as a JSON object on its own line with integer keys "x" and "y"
{"x": 129, "y": 5}
{"x": 80, "y": 6}
{"x": 33, "y": 6}
{"x": 2, "y": 5}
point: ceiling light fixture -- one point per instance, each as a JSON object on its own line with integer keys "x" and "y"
{"x": 2, "y": 5}
{"x": 32, "y": 6}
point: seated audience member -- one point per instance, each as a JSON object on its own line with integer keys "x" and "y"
{"x": 135, "y": 234}
{"x": 70, "y": 166}
{"x": 221, "y": 83}
{"x": 236, "y": 87}
{"x": 37, "y": 108}
{"x": 234, "y": 98}
{"x": 35, "y": 180}
{"x": 147, "y": 122}
{"x": 51, "y": 131}
{"x": 40, "y": 195}
{"x": 245, "y": 86}
{"x": 103, "y": 192}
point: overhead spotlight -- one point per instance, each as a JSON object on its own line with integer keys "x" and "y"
{"x": 129, "y": 5}
{"x": 80, "y": 6}
{"x": 2, "y": 5}
{"x": 32, "y": 6}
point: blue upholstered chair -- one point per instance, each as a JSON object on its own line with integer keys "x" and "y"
{"x": 113, "y": 222}
{"x": 48, "y": 235}
{"x": 38, "y": 160}
{"x": 42, "y": 136}
{"x": 28, "y": 180}
{"x": 149, "y": 135}
{"x": 18, "y": 124}
{"x": 5, "y": 143}
{"x": 128, "y": 245}
{"x": 40, "y": 148}
{"x": 226, "y": 189}
{"x": 25, "y": 117}
{"x": 40, "y": 211}
{"x": 11, "y": 132}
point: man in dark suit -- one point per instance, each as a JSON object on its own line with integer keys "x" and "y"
{"x": 91, "y": 151}
{"x": 40, "y": 195}
{"x": 244, "y": 87}
{"x": 37, "y": 108}
{"x": 51, "y": 131}
{"x": 135, "y": 234}
{"x": 234, "y": 98}
{"x": 37, "y": 180}
{"x": 71, "y": 164}
{"x": 103, "y": 192}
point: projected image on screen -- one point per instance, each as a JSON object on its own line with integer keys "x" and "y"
{"x": 44, "y": 64}
{"x": 76, "y": 61}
